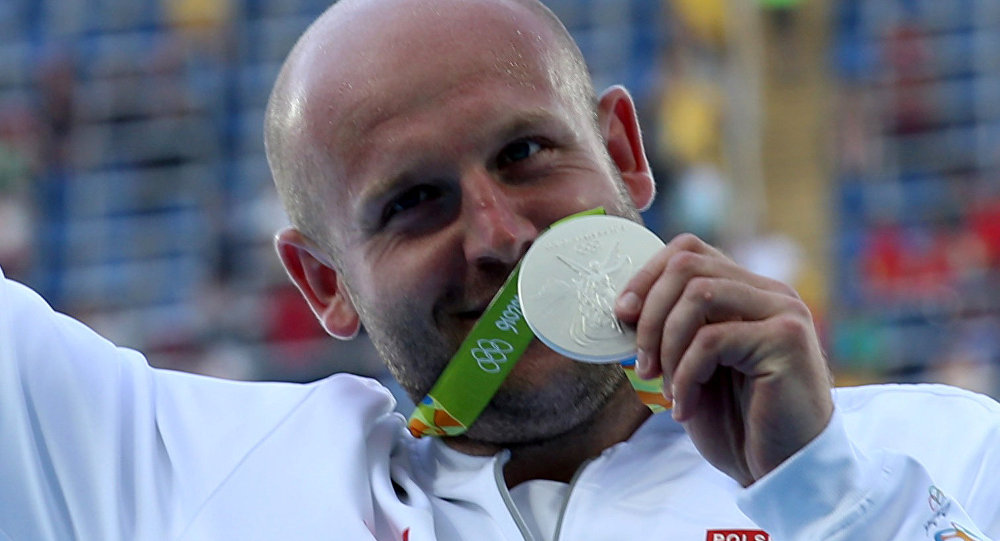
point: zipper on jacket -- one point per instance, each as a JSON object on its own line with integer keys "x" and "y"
{"x": 569, "y": 494}
{"x": 498, "y": 465}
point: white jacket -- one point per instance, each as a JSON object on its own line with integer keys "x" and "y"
{"x": 96, "y": 445}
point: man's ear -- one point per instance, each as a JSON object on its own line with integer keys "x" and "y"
{"x": 319, "y": 282}
{"x": 619, "y": 125}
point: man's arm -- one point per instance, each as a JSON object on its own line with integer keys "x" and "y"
{"x": 74, "y": 411}
{"x": 832, "y": 490}
{"x": 96, "y": 444}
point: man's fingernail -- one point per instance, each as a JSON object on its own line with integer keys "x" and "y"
{"x": 641, "y": 362}
{"x": 675, "y": 411}
{"x": 629, "y": 302}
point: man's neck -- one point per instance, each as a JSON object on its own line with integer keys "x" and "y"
{"x": 559, "y": 458}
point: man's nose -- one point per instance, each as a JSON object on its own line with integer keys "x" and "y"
{"x": 497, "y": 231}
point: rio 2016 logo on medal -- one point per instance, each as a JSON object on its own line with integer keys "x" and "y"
{"x": 568, "y": 293}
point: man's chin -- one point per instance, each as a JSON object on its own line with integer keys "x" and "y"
{"x": 544, "y": 395}
{"x": 541, "y": 399}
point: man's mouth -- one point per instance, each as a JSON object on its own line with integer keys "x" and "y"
{"x": 467, "y": 308}
{"x": 471, "y": 314}
{"x": 473, "y": 309}
{"x": 467, "y": 317}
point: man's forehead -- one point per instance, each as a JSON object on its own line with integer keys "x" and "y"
{"x": 360, "y": 20}
{"x": 369, "y": 58}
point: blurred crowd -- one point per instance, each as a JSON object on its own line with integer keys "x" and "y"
{"x": 134, "y": 193}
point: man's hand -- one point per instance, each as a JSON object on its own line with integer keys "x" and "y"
{"x": 738, "y": 353}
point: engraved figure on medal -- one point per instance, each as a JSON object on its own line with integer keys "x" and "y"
{"x": 595, "y": 292}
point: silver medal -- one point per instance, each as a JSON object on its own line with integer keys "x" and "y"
{"x": 570, "y": 279}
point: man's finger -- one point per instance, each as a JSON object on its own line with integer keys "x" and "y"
{"x": 756, "y": 349}
{"x": 714, "y": 300}
{"x": 630, "y": 301}
{"x": 657, "y": 302}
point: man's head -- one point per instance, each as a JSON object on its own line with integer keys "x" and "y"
{"x": 301, "y": 171}
{"x": 419, "y": 147}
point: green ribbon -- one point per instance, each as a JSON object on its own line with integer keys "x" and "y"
{"x": 477, "y": 369}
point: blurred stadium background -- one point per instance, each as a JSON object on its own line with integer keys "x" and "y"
{"x": 849, "y": 147}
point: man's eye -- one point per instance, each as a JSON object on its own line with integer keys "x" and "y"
{"x": 519, "y": 150}
{"x": 409, "y": 199}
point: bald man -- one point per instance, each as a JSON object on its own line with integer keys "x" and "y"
{"x": 420, "y": 147}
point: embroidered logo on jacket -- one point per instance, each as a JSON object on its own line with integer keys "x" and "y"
{"x": 956, "y": 532}
{"x": 737, "y": 535}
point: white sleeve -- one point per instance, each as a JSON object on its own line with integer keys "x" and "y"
{"x": 76, "y": 413}
{"x": 830, "y": 490}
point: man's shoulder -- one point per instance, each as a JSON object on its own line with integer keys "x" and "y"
{"x": 338, "y": 394}
{"x": 930, "y": 398}
{"x": 954, "y": 434}
{"x": 251, "y": 411}
{"x": 356, "y": 390}
{"x": 220, "y": 423}
{"x": 915, "y": 418}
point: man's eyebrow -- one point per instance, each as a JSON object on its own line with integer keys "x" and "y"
{"x": 520, "y": 124}
{"x": 526, "y": 121}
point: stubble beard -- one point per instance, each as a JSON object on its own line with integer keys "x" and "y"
{"x": 526, "y": 411}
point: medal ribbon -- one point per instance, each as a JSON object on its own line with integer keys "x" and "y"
{"x": 486, "y": 356}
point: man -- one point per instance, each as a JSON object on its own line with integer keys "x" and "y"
{"x": 420, "y": 146}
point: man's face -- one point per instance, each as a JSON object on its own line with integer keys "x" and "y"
{"x": 449, "y": 150}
